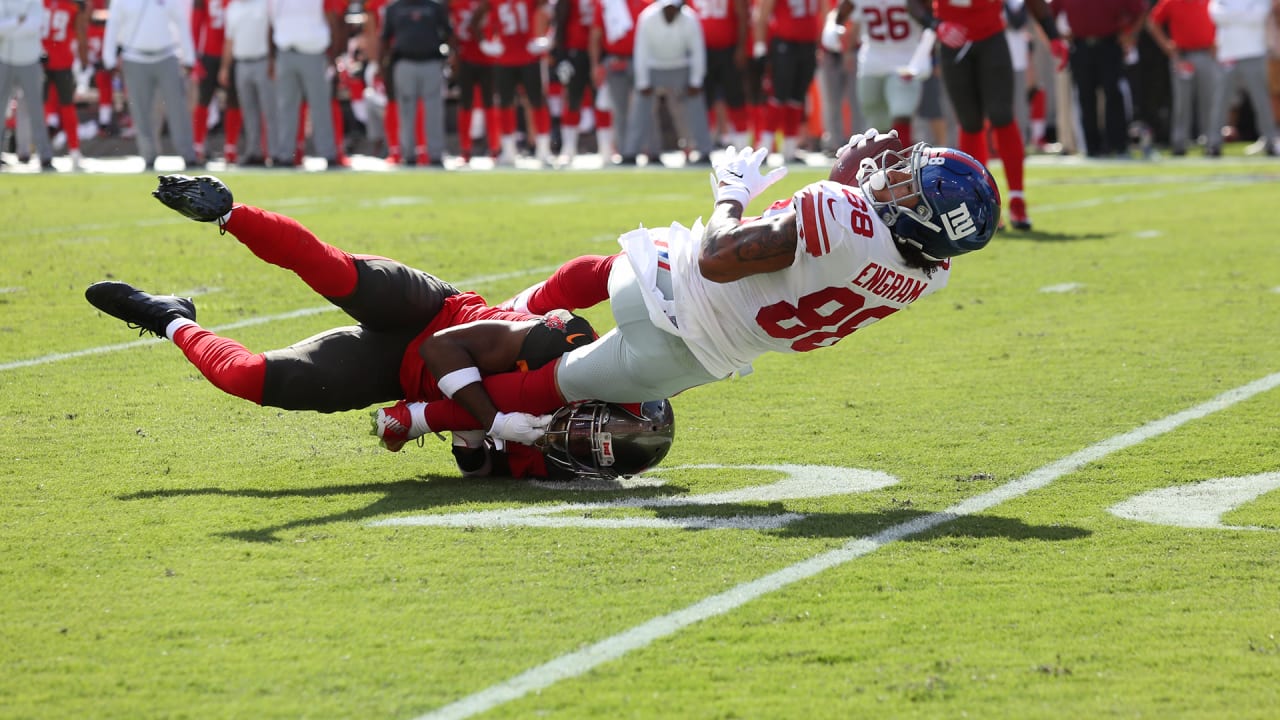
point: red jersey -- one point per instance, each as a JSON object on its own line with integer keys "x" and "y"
{"x": 980, "y": 18}
{"x": 1190, "y": 27}
{"x": 623, "y": 45}
{"x": 376, "y": 10}
{"x": 515, "y": 23}
{"x": 577, "y": 29}
{"x": 416, "y": 381}
{"x": 97, "y": 30}
{"x": 60, "y": 32}
{"x": 719, "y": 23}
{"x": 208, "y": 26}
{"x": 797, "y": 20}
{"x": 460, "y": 14}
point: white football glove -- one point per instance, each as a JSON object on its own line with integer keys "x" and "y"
{"x": 832, "y": 34}
{"x": 540, "y": 45}
{"x": 492, "y": 47}
{"x": 519, "y": 427}
{"x": 737, "y": 176}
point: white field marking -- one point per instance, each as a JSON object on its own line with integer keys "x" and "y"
{"x": 1198, "y": 505}
{"x": 1148, "y": 234}
{"x": 801, "y": 481}
{"x": 1062, "y": 288}
{"x": 5, "y": 291}
{"x": 576, "y": 663}
{"x": 248, "y": 322}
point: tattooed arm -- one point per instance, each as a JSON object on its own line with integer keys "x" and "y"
{"x": 733, "y": 249}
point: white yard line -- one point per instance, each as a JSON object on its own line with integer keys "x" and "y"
{"x": 261, "y": 320}
{"x": 577, "y": 663}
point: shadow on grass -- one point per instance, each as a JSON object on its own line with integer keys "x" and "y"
{"x": 917, "y": 525}
{"x": 1048, "y": 237}
{"x": 429, "y": 494}
{"x": 424, "y": 493}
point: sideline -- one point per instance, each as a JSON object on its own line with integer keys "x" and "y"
{"x": 260, "y": 320}
{"x": 577, "y": 663}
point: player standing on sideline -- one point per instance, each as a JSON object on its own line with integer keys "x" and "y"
{"x": 102, "y": 78}
{"x": 612, "y": 48}
{"x": 399, "y": 349}
{"x": 305, "y": 34}
{"x": 246, "y": 67}
{"x": 977, "y": 72}
{"x": 414, "y": 37}
{"x": 696, "y": 305}
{"x": 726, "y": 26}
{"x": 66, "y": 25}
{"x": 794, "y": 27}
{"x": 208, "y": 20}
{"x": 20, "y": 27}
{"x": 515, "y": 36}
{"x": 474, "y": 76}
{"x": 888, "y": 86}
{"x": 156, "y": 56}
{"x": 571, "y": 65}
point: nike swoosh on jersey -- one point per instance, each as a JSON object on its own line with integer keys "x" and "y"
{"x": 570, "y": 338}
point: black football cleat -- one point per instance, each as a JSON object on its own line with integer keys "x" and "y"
{"x": 204, "y": 198}
{"x": 145, "y": 312}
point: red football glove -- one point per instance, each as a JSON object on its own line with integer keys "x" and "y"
{"x": 952, "y": 35}
{"x": 1059, "y": 48}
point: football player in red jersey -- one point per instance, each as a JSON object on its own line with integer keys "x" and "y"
{"x": 102, "y": 77}
{"x": 418, "y": 338}
{"x": 515, "y": 37}
{"x": 474, "y": 73}
{"x": 611, "y": 47}
{"x": 978, "y": 74}
{"x": 793, "y": 28}
{"x": 571, "y": 65}
{"x": 66, "y": 39}
{"x": 725, "y": 28}
{"x": 208, "y": 28}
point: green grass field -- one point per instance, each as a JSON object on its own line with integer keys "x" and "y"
{"x": 1046, "y": 492}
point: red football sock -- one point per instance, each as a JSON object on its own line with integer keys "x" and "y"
{"x": 391, "y": 126}
{"x": 232, "y": 123}
{"x": 493, "y": 124}
{"x": 464, "y": 131}
{"x": 226, "y": 363}
{"x": 580, "y": 283}
{"x": 200, "y": 124}
{"x": 904, "y": 132}
{"x": 975, "y": 144}
{"x": 339, "y": 131}
{"x": 70, "y": 125}
{"x": 1012, "y": 154}
{"x": 283, "y": 241}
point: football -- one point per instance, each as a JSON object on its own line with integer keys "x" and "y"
{"x": 849, "y": 158}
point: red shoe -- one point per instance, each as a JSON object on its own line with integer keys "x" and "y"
{"x": 1018, "y": 214}
{"x": 394, "y": 426}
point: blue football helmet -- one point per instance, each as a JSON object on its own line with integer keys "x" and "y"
{"x": 957, "y": 203}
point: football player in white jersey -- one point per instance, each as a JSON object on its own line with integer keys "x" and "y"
{"x": 696, "y": 305}
{"x": 888, "y": 86}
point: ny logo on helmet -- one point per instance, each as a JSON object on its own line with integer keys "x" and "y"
{"x": 958, "y": 222}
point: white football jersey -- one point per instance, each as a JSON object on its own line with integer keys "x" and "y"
{"x": 847, "y": 274}
{"x": 887, "y": 34}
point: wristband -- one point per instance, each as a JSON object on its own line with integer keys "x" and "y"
{"x": 458, "y": 379}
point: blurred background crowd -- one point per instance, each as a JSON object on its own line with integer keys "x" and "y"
{"x": 584, "y": 83}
